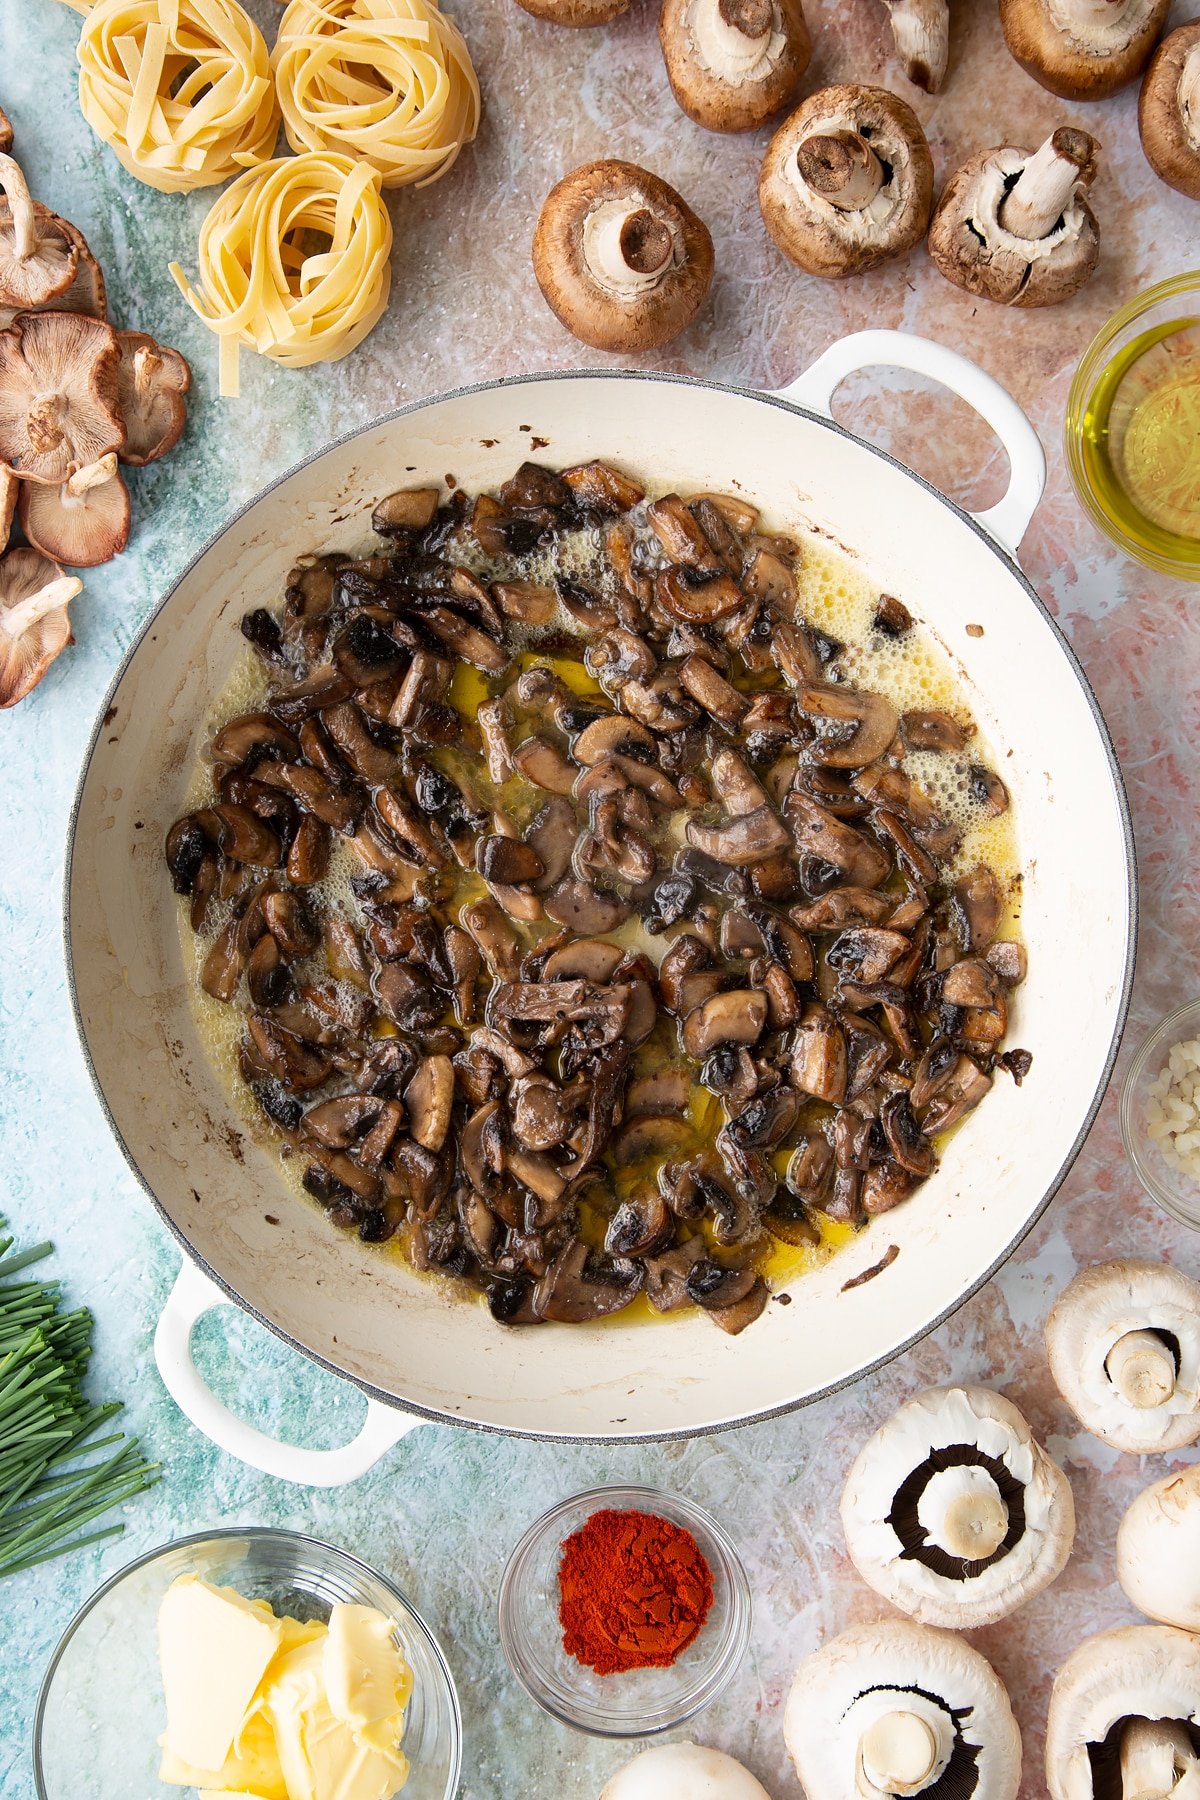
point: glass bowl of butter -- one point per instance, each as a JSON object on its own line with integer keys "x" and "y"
{"x": 258, "y": 1664}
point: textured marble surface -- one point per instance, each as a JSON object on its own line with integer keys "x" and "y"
{"x": 442, "y": 1510}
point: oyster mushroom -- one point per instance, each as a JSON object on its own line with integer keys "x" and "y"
{"x": 84, "y": 521}
{"x": 576, "y": 12}
{"x": 1013, "y": 225}
{"x": 1134, "y": 1691}
{"x": 1123, "y": 1341}
{"x": 59, "y": 405}
{"x": 151, "y": 383}
{"x": 683, "y": 1772}
{"x": 39, "y": 253}
{"x": 733, "y": 63}
{"x": 921, "y": 29}
{"x": 897, "y": 1708}
{"x": 847, "y": 181}
{"x": 952, "y": 1511}
{"x": 620, "y": 257}
{"x": 1169, "y": 110}
{"x": 1158, "y": 1550}
{"x": 34, "y": 627}
{"x": 1083, "y": 49}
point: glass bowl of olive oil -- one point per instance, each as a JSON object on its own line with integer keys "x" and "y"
{"x": 1133, "y": 427}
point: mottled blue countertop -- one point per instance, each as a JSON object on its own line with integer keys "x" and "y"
{"x": 442, "y": 1510}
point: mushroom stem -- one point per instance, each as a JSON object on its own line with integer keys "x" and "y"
{"x": 963, "y": 1513}
{"x": 1095, "y": 12}
{"x": 628, "y": 248}
{"x": 89, "y": 476}
{"x": 20, "y": 204}
{"x": 1187, "y": 96}
{"x": 1142, "y": 1369}
{"x": 921, "y": 29}
{"x": 898, "y": 1754}
{"x": 147, "y": 365}
{"x": 842, "y": 168}
{"x": 15, "y": 621}
{"x": 1043, "y": 189}
{"x": 1158, "y": 1761}
{"x": 732, "y": 35}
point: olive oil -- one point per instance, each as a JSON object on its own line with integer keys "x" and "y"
{"x": 1140, "y": 442}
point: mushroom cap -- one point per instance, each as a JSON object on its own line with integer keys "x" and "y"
{"x": 822, "y": 1726}
{"x": 576, "y": 12}
{"x": 86, "y": 292}
{"x": 81, "y": 522}
{"x": 59, "y": 409}
{"x": 926, "y": 1582}
{"x": 34, "y": 627}
{"x": 1158, "y": 1550}
{"x": 151, "y": 382}
{"x": 821, "y": 238}
{"x": 973, "y": 250}
{"x": 38, "y": 252}
{"x": 1103, "y": 1304}
{"x": 1171, "y": 135}
{"x": 597, "y": 311}
{"x": 716, "y": 81}
{"x": 683, "y": 1772}
{"x": 1078, "y": 56}
{"x": 1137, "y": 1671}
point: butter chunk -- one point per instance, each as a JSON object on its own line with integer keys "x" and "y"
{"x": 214, "y": 1648}
{"x": 366, "y": 1678}
{"x": 252, "y": 1767}
{"x": 344, "y": 1768}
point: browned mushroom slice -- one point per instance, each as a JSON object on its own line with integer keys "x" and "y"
{"x": 712, "y": 1285}
{"x": 578, "y": 1287}
{"x": 843, "y": 909}
{"x": 544, "y": 764}
{"x": 818, "y": 833}
{"x": 916, "y": 862}
{"x": 657, "y": 1135}
{"x": 583, "y": 959}
{"x": 809, "y": 1168}
{"x": 298, "y": 1065}
{"x": 481, "y": 1146}
{"x": 749, "y": 838}
{"x": 698, "y": 602}
{"x": 34, "y": 627}
{"x": 667, "y": 1272}
{"x": 618, "y": 657}
{"x": 542, "y": 1116}
{"x": 410, "y": 509}
{"x": 496, "y": 939}
{"x": 738, "y": 1016}
{"x": 885, "y": 1185}
{"x": 884, "y": 785}
{"x": 709, "y": 688}
{"x": 679, "y": 532}
{"x": 819, "y": 1064}
{"x": 339, "y": 1123}
{"x": 507, "y": 860}
{"x": 962, "y": 1090}
{"x": 583, "y": 908}
{"x": 988, "y": 791}
{"x": 740, "y": 1313}
{"x": 58, "y": 394}
{"x": 905, "y": 1140}
{"x": 977, "y": 903}
{"x": 368, "y": 760}
{"x": 601, "y": 488}
{"x": 664, "y": 1090}
{"x": 429, "y": 1100}
{"x": 1010, "y": 961}
{"x": 854, "y": 727}
{"x": 308, "y": 853}
{"x": 558, "y": 1003}
{"x": 290, "y": 923}
{"x": 867, "y": 954}
{"x": 329, "y": 801}
{"x": 970, "y": 983}
{"x": 932, "y": 729}
{"x": 640, "y": 1226}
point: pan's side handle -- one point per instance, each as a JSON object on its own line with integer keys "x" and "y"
{"x": 1008, "y": 520}
{"x": 191, "y": 1297}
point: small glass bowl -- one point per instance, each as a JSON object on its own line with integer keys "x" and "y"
{"x": 643, "y": 1701}
{"x": 100, "y": 1710}
{"x": 1174, "y": 1191}
{"x": 1159, "y": 313}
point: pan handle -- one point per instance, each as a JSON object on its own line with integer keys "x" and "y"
{"x": 1008, "y": 520}
{"x": 191, "y": 1297}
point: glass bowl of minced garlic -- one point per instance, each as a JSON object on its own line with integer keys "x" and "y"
{"x": 247, "y": 1661}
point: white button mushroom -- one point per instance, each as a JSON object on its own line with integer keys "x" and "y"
{"x": 1134, "y": 1691}
{"x": 1013, "y": 225}
{"x": 847, "y": 181}
{"x": 733, "y": 63}
{"x": 894, "y": 1709}
{"x": 1169, "y": 110}
{"x": 576, "y": 12}
{"x": 620, "y": 257}
{"x": 1158, "y": 1550}
{"x": 954, "y": 1513}
{"x": 1082, "y": 49}
{"x": 1124, "y": 1347}
{"x": 683, "y": 1772}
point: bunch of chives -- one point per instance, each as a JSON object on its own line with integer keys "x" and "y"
{"x": 56, "y": 1475}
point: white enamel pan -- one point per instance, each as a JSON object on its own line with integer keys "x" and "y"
{"x": 417, "y": 1354}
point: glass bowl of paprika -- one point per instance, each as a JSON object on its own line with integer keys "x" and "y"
{"x": 624, "y": 1611}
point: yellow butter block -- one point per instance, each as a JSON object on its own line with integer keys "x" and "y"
{"x": 214, "y": 1648}
{"x": 252, "y": 1767}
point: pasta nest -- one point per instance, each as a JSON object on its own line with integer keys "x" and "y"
{"x": 390, "y": 81}
{"x": 180, "y": 89}
{"x": 294, "y": 261}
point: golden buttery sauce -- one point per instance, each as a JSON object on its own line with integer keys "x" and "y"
{"x": 833, "y": 596}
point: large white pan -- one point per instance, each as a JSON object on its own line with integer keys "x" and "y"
{"x": 358, "y": 1312}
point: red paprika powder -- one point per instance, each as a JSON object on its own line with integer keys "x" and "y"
{"x": 634, "y": 1591}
